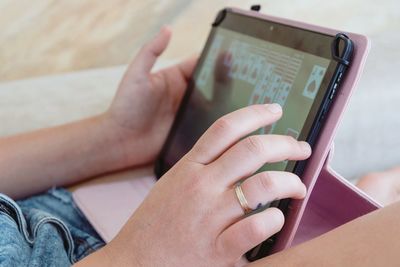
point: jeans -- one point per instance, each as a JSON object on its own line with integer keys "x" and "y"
{"x": 44, "y": 230}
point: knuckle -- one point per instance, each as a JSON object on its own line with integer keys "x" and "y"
{"x": 194, "y": 180}
{"x": 222, "y": 126}
{"x": 256, "y": 230}
{"x": 266, "y": 182}
{"x": 198, "y": 149}
{"x": 145, "y": 48}
{"x": 255, "y": 144}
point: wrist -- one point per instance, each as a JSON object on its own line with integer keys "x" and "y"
{"x": 129, "y": 146}
{"x": 113, "y": 140}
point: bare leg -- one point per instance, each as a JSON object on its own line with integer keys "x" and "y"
{"x": 372, "y": 240}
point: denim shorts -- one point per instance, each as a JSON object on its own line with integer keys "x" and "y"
{"x": 44, "y": 230}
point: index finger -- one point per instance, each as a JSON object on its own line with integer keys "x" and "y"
{"x": 229, "y": 129}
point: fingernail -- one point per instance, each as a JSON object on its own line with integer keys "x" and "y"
{"x": 162, "y": 31}
{"x": 274, "y": 108}
{"x": 305, "y": 147}
{"x": 304, "y": 191}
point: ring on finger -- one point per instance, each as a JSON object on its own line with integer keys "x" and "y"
{"x": 242, "y": 199}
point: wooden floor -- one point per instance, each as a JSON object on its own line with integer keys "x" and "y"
{"x": 47, "y": 36}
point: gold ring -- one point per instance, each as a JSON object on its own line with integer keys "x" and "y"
{"x": 242, "y": 199}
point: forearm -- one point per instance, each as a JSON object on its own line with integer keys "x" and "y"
{"x": 372, "y": 240}
{"x": 31, "y": 163}
{"x": 99, "y": 258}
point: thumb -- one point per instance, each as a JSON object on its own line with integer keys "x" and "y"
{"x": 148, "y": 54}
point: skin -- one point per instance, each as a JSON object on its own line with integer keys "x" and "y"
{"x": 202, "y": 221}
{"x": 384, "y": 186}
{"x": 371, "y": 240}
{"x": 130, "y": 133}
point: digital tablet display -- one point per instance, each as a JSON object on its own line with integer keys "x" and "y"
{"x": 248, "y": 61}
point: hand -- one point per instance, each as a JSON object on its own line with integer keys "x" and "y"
{"x": 145, "y": 104}
{"x": 130, "y": 133}
{"x": 192, "y": 216}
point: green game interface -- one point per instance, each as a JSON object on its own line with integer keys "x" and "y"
{"x": 239, "y": 70}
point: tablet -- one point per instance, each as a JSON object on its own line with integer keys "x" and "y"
{"x": 108, "y": 202}
{"x": 250, "y": 60}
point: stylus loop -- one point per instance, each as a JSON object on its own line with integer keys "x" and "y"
{"x": 255, "y": 8}
{"x": 344, "y": 56}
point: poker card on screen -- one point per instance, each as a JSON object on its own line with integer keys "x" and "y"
{"x": 314, "y": 82}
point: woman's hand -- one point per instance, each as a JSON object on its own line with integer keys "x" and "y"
{"x": 145, "y": 104}
{"x": 192, "y": 216}
{"x": 131, "y": 132}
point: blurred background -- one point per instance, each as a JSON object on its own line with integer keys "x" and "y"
{"x": 61, "y": 60}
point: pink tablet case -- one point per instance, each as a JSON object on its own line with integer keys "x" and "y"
{"x": 331, "y": 200}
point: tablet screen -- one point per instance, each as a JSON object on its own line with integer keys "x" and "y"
{"x": 236, "y": 70}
